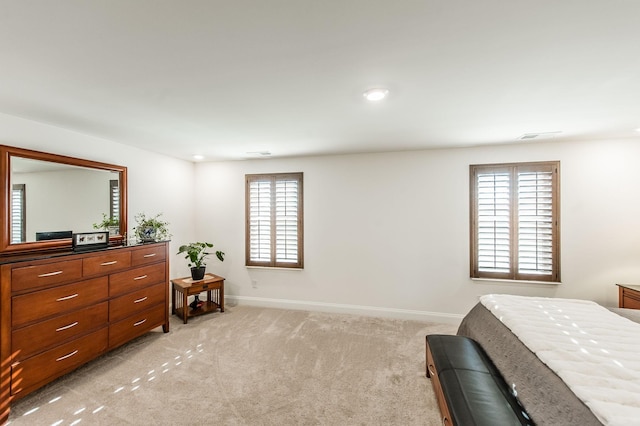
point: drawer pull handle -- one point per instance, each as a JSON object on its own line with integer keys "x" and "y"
{"x": 61, "y": 299}
{"x": 50, "y": 274}
{"x": 140, "y": 322}
{"x": 141, "y": 277}
{"x": 140, "y": 300}
{"x": 113, "y": 262}
{"x": 67, "y": 355}
{"x": 66, "y": 327}
{"x": 149, "y": 255}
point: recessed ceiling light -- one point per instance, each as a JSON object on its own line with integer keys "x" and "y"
{"x": 198, "y": 157}
{"x": 638, "y": 130}
{"x": 375, "y": 95}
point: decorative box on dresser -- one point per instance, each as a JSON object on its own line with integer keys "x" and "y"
{"x": 59, "y": 311}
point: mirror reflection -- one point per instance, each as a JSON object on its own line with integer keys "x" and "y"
{"x": 49, "y": 200}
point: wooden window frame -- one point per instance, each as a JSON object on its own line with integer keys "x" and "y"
{"x": 274, "y": 262}
{"x": 514, "y": 235}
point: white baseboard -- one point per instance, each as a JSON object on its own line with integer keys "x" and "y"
{"x": 372, "y": 311}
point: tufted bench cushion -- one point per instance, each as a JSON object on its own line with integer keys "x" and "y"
{"x": 469, "y": 388}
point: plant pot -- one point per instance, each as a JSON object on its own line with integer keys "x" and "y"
{"x": 198, "y": 273}
{"x": 147, "y": 234}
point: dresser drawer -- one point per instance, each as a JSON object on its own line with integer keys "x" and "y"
{"x": 27, "y": 341}
{"x": 124, "y": 282}
{"x": 137, "y": 301}
{"x": 28, "y": 374}
{"x": 58, "y": 300}
{"x": 136, "y": 325}
{"x": 38, "y": 276}
{"x": 106, "y": 263}
{"x": 143, "y": 256}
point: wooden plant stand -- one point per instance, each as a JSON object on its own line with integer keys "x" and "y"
{"x": 212, "y": 284}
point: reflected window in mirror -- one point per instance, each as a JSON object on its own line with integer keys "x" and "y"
{"x": 114, "y": 198}
{"x": 18, "y": 216}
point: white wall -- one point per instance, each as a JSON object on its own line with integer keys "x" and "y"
{"x": 157, "y": 183}
{"x": 389, "y": 233}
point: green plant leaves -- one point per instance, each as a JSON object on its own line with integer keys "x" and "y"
{"x": 196, "y": 252}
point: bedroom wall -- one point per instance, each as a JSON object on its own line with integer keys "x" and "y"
{"x": 157, "y": 183}
{"x": 388, "y": 234}
{"x": 385, "y": 234}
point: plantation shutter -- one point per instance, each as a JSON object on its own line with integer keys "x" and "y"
{"x": 274, "y": 220}
{"x": 494, "y": 217}
{"x": 535, "y": 222}
{"x": 18, "y": 224}
{"x": 515, "y": 221}
{"x": 260, "y": 221}
{"x": 286, "y": 220}
{"x": 114, "y": 198}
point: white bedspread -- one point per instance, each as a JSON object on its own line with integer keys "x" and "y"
{"x": 595, "y": 352}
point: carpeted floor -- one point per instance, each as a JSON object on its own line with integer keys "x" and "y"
{"x": 251, "y": 366}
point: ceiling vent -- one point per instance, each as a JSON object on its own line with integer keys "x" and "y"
{"x": 542, "y": 135}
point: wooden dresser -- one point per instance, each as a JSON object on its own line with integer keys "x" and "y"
{"x": 628, "y": 296}
{"x": 60, "y": 311}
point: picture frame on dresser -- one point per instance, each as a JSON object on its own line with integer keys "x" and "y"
{"x": 82, "y": 241}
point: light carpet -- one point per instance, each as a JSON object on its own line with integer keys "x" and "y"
{"x": 251, "y": 366}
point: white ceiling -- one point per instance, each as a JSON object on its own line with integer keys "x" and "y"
{"x": 223, "y": 78}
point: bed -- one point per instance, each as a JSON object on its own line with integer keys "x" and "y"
{"x": 542, "y": 392}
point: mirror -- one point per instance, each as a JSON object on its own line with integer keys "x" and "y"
{"x": 48, "y": 196}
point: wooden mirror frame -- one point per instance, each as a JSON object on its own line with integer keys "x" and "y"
{"x": 6, "y": 152}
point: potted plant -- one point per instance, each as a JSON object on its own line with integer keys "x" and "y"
{"x": 151, "y": 228}
{"x": 108, "y": 223}
{"x": 196, "y": 252}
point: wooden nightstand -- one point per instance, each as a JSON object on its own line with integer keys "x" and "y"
{"x": 212, "y": 284}
{"x": 628, "y": 296}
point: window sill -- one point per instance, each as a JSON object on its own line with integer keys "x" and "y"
{"x": 274, "y": 267}
{"x": 503, "y": 281}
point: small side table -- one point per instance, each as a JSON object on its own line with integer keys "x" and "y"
{"x": 628, "y": 296}
{"x": 212, "y": 284}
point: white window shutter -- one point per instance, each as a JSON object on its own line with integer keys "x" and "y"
{"x": 17, "y": 214}
{"x": 494, "y": 215}
{"x": 260, "y": 220}
{"x": 114, "y": 193}
{"x": 286, "y": 211}
{"x": 535, "y": 222}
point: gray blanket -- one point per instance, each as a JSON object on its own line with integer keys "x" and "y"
{"x": 542, "y": 393}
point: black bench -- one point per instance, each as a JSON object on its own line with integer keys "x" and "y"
{"x": 469, "y": 388}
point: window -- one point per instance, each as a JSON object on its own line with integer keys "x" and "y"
{"x": 274, "y": 220}
{"x": 18, "y": 217}
{"x": 515, "y": 221}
